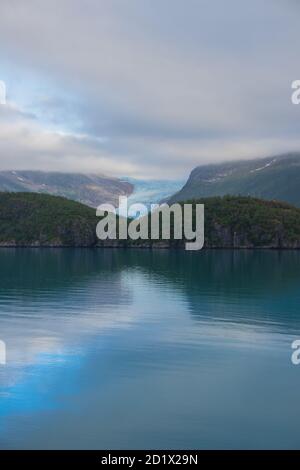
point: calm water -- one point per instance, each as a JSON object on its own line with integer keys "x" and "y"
{"x": 139, "y": 349}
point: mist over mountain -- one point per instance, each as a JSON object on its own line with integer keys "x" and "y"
{"x": 274, "y": 178}
{"x": 271, "y": 178}
{"x": 89, "y": 189}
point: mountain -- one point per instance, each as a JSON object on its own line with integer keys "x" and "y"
{"x": 90, "y": 189}
{"x": 274, "y": 178}
{"x": 31, "y": 219}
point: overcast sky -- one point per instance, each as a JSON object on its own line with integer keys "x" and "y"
{"x": 146, "y": 88}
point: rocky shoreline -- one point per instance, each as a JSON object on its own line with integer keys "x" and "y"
{"x": 148, "y": 246}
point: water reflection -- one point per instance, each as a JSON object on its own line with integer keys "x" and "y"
{"x": 136, "y": 348}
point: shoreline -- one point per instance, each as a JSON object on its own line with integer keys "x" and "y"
{"x": 150, "y": 248}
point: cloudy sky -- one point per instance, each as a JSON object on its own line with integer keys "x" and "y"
{"x": 146, "y": 88}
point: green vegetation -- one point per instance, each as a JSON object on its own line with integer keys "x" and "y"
{"x": 30, "y": 219}
{"x": 248, "y": 222}
{"x": 40, "y": 219}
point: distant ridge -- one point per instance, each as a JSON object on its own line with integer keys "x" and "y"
{"x": 273, "y": 178}
{"x": 89, "y": 189}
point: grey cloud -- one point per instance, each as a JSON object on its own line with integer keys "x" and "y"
{"x": 166, "y": 84}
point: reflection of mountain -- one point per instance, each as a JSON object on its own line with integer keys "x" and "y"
{"x": 30, "y": 272}
{"x": 53, "y": 300}
{"x": 255, "y": 287}
{"x": 107, "y": 346}
{"x": 250, "y": 281}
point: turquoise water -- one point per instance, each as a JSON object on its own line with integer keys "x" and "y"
{"x": 139, "y": 349}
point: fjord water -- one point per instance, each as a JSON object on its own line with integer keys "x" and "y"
{"x": 139, "y": 349}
